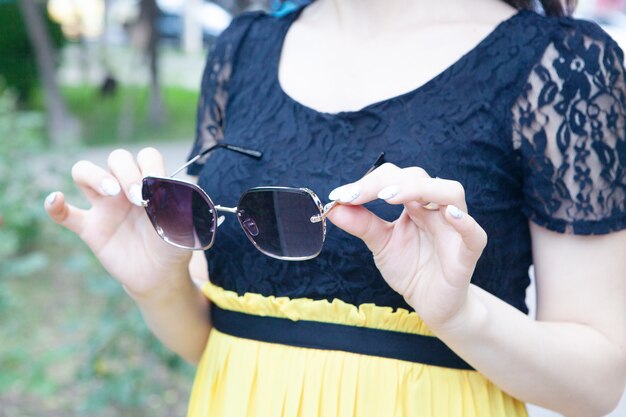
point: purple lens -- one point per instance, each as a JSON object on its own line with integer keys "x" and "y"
{"x": 180, "y": 212}
{"x": 278, "y": 222}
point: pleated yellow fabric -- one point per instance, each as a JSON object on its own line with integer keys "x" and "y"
{"x": 247, "y": 378}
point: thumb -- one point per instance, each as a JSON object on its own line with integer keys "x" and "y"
{"x": 63, "y": 213}
{"x": 362, "y": 223}
{"x": 473, "y": 236}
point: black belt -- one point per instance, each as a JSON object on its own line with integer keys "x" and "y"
{"x": 318, "y": 335}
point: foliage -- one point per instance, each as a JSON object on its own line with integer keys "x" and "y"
{"x": 121, "y": 356}
{"x": 123, "y": 117}
{"x": 17, "y": 65}
{"x": 73, "y": 344}
{"x": 20, "y": 213}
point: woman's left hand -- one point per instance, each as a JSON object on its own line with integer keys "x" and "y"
{"x": 426, "y": 255}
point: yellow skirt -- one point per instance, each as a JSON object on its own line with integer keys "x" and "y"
{"x": 246, "y": 378}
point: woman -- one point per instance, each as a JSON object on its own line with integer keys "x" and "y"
{"x": 496, "y": 123}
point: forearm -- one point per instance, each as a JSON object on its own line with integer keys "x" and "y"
{"x": 567, "y": 367}
{"x": 178, "y": 316}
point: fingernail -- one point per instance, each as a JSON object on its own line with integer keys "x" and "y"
{"x": 431, "y": 206}
{"x": 349, "y": 194}
{"x": 134, "y": 194}
{"x": 334, "y": 194}
{"x": 111, "y": 187}
{"x": 388, "y": 192}
{"x": 50, "y": 199}
{"x": 454, "y": 211}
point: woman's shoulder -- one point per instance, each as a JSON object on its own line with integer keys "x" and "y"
{"x": 256, "y": 24}
{"x": 565, "y": 48}
{"x": 571, "y": 32}
{"x": 250, "y": 37}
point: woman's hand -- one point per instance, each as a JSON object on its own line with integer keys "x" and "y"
{"x": 116, "y": 227}
{"x": 428, "y": 256}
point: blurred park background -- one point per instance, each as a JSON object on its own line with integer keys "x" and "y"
{"x": 79, "y": 78}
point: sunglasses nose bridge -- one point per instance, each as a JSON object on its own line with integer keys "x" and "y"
{"x": 232, "y": 210}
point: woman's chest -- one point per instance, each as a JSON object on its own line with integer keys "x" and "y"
{"x": 453, "y": 139}
{"x": 346, "y": 73}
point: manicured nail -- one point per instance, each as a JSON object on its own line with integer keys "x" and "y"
{"x": 50, "y": 199}
{"x": 388, "y": 192}
{"x": 134, "y": 194}
{"x": 431, "y": 206}
{"x": 349, "y": 194}
{"x": 334, "y": 194}
{"x": 454, "y": 211}
{"x": 111, "y": 187}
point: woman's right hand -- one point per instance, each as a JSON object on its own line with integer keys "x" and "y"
{"x": 116, "y": 227}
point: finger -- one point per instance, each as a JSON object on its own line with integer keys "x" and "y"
{"x": 424, "y": 190}
{"x": 473, "y": 236}
{"x": 94, "y": 181}
{"x": 123, "y": 167}
{"x": 367, "y": 188}
{"x": 63, "y": 213}
{"x": 362, "y": 223}
{"x": 387, "y": 180}
{"x": 150, "y": 162}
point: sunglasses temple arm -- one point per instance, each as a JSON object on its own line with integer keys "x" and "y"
{"x": 191, "y": 161}
{"x": 328, "y": 207}
{"x": 244, "y": 151}
{"x": 379, "y": 161}
{"x": 252, "y": 153}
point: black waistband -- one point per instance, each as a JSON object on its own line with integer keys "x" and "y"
{"x": 313, "y": 334}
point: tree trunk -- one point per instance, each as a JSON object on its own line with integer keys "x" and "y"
{"x": 62, "y": 128}
{"x": 149, "y": 13}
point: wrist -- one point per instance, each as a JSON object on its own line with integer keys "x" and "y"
{"x": 175, "y": 284}
{"x": 470, "y": 316}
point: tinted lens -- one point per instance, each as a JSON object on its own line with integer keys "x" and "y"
{"x": 279, "y": 222}
{"x": 179, "y": 212}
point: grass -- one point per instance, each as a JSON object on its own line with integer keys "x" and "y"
{"x": 124, "y": 117}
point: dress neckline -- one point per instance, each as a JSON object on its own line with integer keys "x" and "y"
{"x": 292, "y": 17}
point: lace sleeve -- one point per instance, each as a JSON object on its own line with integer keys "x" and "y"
{"x": 569, "y": 127}
{"x": 213, "y": 101}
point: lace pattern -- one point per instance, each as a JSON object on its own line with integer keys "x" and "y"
{"x": 570, "y": 127}
{"x": 211, "y": 118}
{"x": 531, "y": 121}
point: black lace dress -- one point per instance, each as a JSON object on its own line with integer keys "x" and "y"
{"x": 532, "y": 122}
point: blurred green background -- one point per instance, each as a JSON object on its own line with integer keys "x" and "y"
{"x": 71, "y": 342}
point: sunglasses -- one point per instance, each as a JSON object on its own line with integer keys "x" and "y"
{"x": 282, "y": 222}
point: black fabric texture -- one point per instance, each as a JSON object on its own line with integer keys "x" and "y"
{"x": 330, "y": 336}
{"x": 531, "y": 121}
